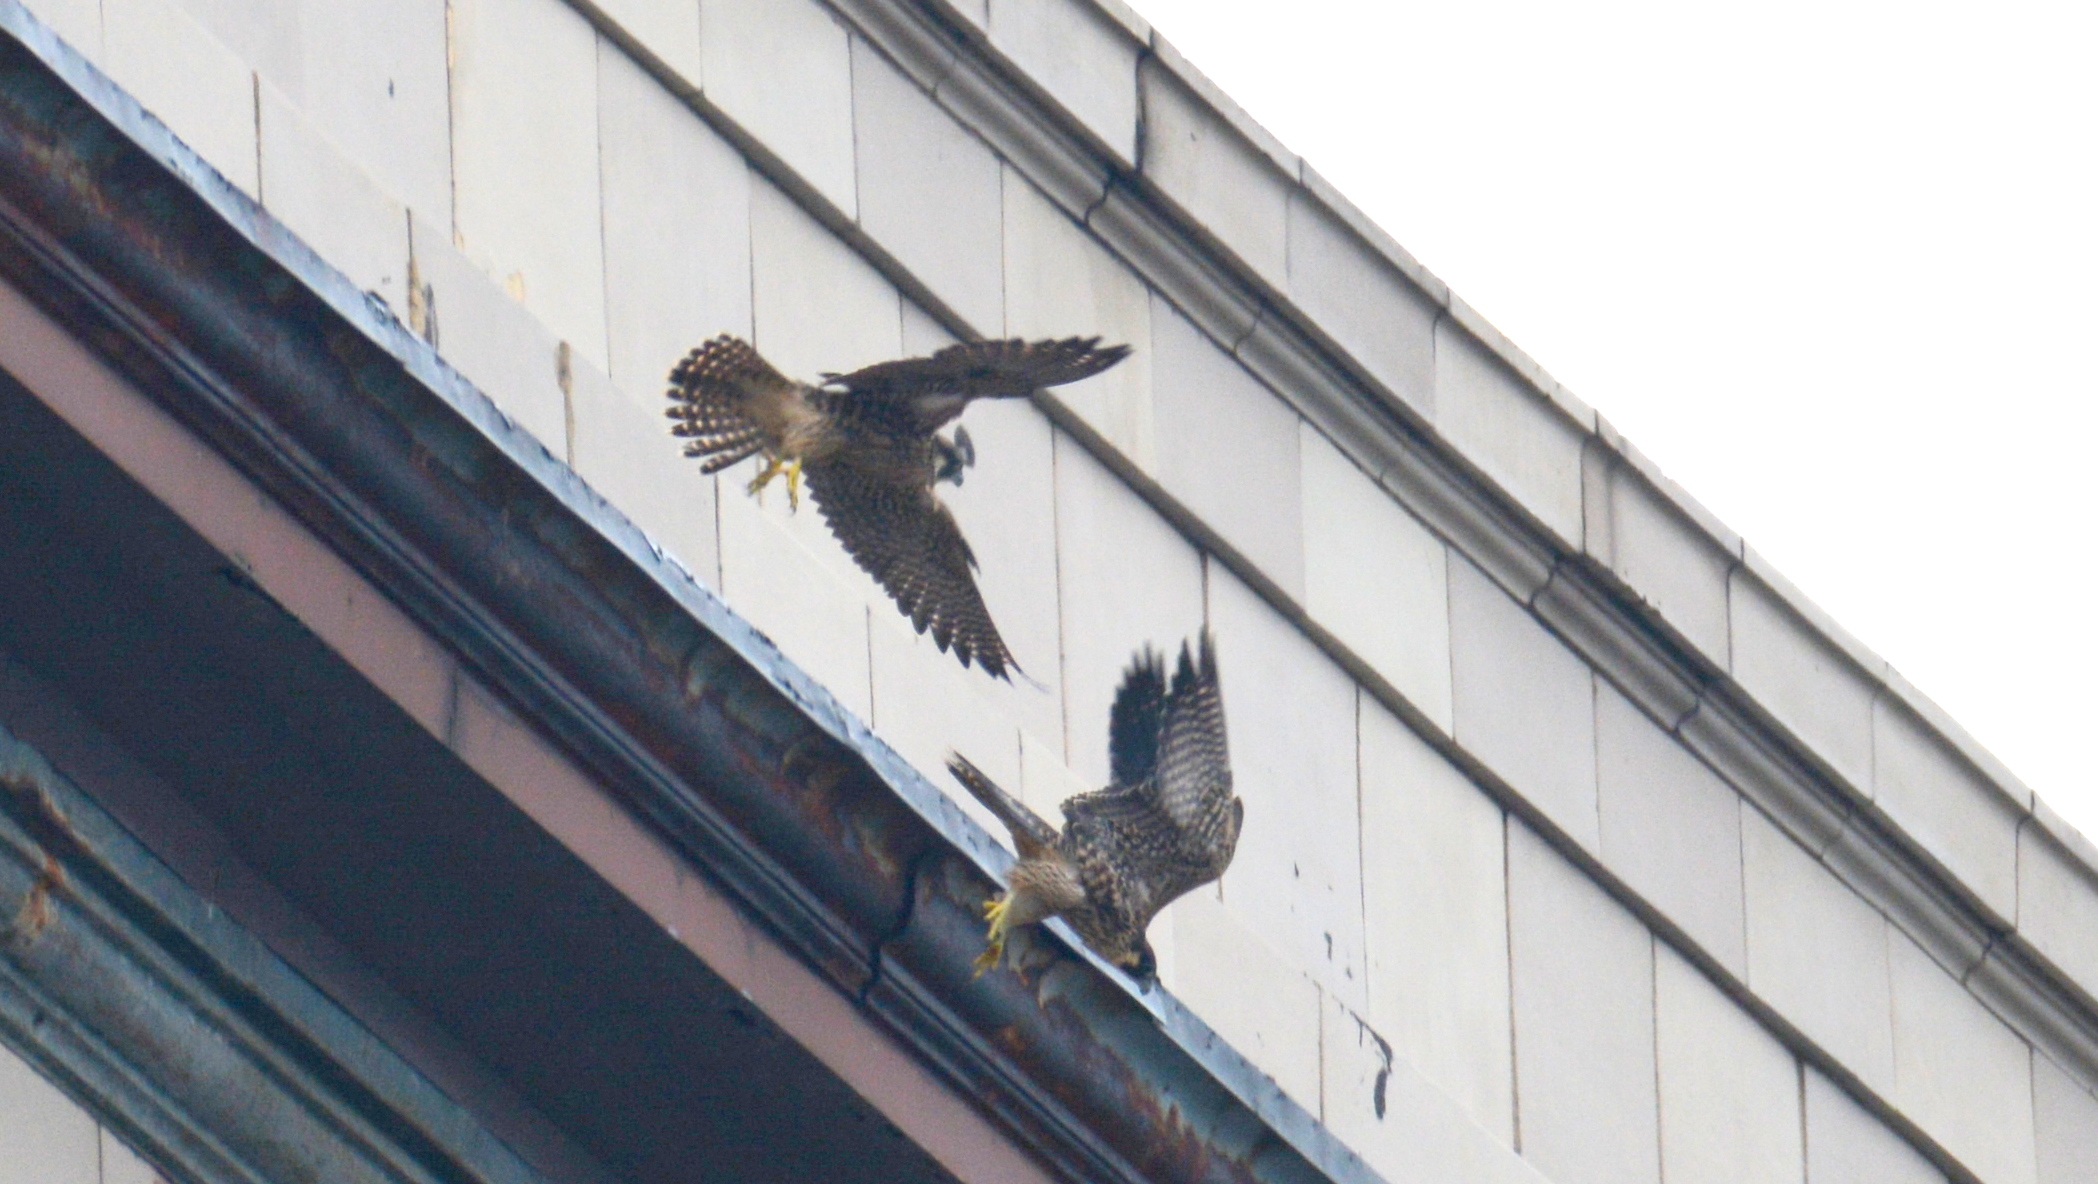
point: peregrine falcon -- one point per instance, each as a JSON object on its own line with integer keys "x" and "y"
{"x": 869, "y": 443}
{"x": 1165, "y": 824}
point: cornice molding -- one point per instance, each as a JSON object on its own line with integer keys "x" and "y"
{"x": 1587, "y": 606}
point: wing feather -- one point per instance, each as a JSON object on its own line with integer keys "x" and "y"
{"x": 925, "y": 393}
{"x": 904, "y": 537}
{"x": 1143, "y": 845}
{"x": 1132, "y": 723}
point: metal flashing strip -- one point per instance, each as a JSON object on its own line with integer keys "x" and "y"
{"x": 183, "y": 1032}
{"x": 653, "y": 686}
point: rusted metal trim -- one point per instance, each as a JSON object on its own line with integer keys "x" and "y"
{"x": 820, "y": 833}
{"x": 182, "y": 1032}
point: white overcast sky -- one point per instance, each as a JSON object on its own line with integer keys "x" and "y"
{"x": 1833, "y": 265}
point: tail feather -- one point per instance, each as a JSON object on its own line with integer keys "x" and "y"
{"x": 1032, "y": 837}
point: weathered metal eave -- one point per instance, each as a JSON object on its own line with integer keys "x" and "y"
{"x": 203, "y": 1047}
{"x": 823, "y": 837}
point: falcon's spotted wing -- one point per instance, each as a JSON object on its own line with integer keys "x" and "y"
{"x": 1193, "y": 778}
{"x": 1132, "y": 724}
{"x": 925, "y": 393}
{"x": 910, "y": 543}
{"x": 711, "y": 393}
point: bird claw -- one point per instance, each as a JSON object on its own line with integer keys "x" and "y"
{"x": 994, "y": 911}
{"x": 765, "y": 475}
{"x": 774, "y": 466}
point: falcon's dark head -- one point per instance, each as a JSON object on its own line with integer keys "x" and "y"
{"x": 955, "y": 456}
{"x": 1140, "y": 963}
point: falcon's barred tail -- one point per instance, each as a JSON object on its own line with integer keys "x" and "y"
{"x": 706, "y": 394}
{"x": 1031, "y": 836}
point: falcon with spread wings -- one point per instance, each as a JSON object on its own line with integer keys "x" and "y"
{"x": 870, "y": 446}
{"x": 1167, "y": 822}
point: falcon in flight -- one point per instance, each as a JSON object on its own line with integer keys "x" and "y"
{"x": 869, "y": 444}
{"x": 1167, "y": 822}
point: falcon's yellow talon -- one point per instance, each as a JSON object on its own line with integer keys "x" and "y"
{"x": 766, "y": 474}
{"x": 794, "y": 484}
{"x": 994, "y": 911}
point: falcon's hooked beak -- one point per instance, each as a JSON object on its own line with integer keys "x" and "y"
{"x": 1142, "y": 965}
{"x": 955, "y": 455}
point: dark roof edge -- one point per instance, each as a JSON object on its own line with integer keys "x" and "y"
{"x": 824, "y": 836}
{"x": 158, "y": 1010}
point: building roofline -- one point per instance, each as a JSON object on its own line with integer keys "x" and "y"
{"x": 827, "y": 839}
{"x": 1561, "y": 580}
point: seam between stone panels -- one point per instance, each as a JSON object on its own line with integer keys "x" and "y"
{"x": 451, "y": 118}
{"x": 1653, "y": 986}
{"x": 255, "y": 98}
{"x": 1799, "y": 1075}
{"x": 1515, "y": 1102}
{"x": 1362, "y": 896}
{"x": 598, "y": 45}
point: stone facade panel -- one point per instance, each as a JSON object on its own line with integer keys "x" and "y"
{"x": 1255, "y": 999}
{"x": 373, "y": 79}
{"x": 1375, "y": 577}
{"x": 677, "y": 227}
{"x": 782, "y": 69}
{"x": 1846, "y": 1145}
{"x": 928, "y": 190}
{"x": 815, "y": 304}
{"x": 1676, "y": 568}
{"x": 1523, "y": 703}
{"x": 77, "y": 22}
{"x": 926, "y": 705}
{"x": 1729, "y": 1091}
{"x": 2058, "y": 906}
{"x": 1230, "y": 186}
{"x": 2065, "y": 1122}
{"x": 1060, "y": 282}
{"x": 44, "y": 1137}
{"x": 1126, "y": 580}
{"x": 816, "y": 619}
{"x": 1290, "y": 714}
{"x": 1084, "y": 59}
{"x": 1817, "y": 952}
{"x": 1397, "y": 1120}
{"x": 1006, "y": 506}
{"x": 188, "y": 79}
{"x": 325, "y": 199}
{"x": 1583, "y": 978}
{"x": 1375, "y": 313}
{"x": 1801, "y": 679}
{"x": 1435, "y": 915}
{"x": 1498, "y": 422}
{"x": 1941, "y": 802}
{"x": 526, "y": 197}
{"x": 1959, "y": 1073}
{"x": 1670, "y": 827}
{"x": 621, "y": 448}
{"x": 1227, "y": 448}
{"x": 668, "y": 29}
{"x": 492, "y": 340}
